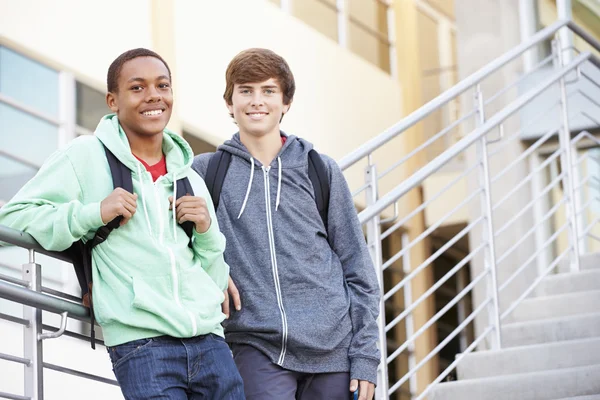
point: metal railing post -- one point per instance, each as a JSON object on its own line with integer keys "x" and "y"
{"x": 32, "y": 346}
{"x": 488, "y": 230}
{"x": 409, "y": 322}
{"x": 374, "y": 242}
{"x": 566, "y": 158}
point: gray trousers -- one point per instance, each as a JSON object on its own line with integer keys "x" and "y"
{"x": 265, "y": 380}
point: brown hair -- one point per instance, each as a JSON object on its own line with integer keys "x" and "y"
{"x": 259, "y": 65}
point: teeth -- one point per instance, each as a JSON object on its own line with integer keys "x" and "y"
{"x": 153, "y": 112}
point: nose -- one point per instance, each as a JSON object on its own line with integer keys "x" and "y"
{"x": 153, "y": 94}
{"x": 257, "y": 99}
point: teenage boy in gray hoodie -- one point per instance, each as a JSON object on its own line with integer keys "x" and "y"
{"x": 307, "y": 329}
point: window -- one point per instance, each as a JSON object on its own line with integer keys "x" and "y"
{"x": 198, "y": 145}
{"x": 91, "y": 106}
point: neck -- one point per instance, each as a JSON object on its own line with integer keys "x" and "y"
{"x": 263, "y": 148}
{"x": 148, "y": 148}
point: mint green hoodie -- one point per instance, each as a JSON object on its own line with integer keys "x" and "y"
{"x": 147, "y": 281}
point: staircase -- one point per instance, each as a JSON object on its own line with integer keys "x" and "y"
{"x": 551, "y": 346}
{"x": 515, "y": 315}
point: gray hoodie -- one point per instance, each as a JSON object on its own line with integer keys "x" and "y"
{"x": 309, "y": 297}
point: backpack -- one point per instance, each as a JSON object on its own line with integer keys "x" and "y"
{"x": 218, "y": 164}
{"x": 81, "y": 253}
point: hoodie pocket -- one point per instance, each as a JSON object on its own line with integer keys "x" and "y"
{"x": 200, "y": 294}
{"x": 318, "y": 320}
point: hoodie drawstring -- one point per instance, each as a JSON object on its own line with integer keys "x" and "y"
{"x": 139, "y": 171}
{"x": 278, "y": 183}
{"x": 173, "y": 208}
{"x": 248, "y": 189}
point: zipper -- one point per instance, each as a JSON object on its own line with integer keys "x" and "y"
{"x": 173, "y": 262}
{"x": 274, "y": 265}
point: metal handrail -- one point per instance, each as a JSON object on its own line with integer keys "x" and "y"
{"x": 26, "y": 241}
{"x": 418, "y": 115}
{"x": 437, "y": 163}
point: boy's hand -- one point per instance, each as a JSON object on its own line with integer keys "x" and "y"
{"x": 235, "y": 295}
{"x": 192, "y": 208}
{"x": 366, "y": 390}
{"x": 119, "y": 202}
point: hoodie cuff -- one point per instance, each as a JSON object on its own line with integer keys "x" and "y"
{"x": 90, "y": 217}
{"x": 212, "y": 239}
{"x": 364, "y": 369}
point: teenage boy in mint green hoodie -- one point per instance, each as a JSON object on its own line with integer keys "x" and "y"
{"x": 157, "y": 299}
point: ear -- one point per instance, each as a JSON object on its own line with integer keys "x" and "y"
{"x": 286, "y": 107}
{"x": 111, "y": 102}
{"x": 229, "y": 107}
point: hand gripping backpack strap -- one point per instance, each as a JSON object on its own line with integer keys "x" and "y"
{"x": 319, "y": 176}
{"x": 218, "y": 164}
{"x": 184, "y": 187}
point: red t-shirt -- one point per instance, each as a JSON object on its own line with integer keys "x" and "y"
{"x": 157, "y": 170}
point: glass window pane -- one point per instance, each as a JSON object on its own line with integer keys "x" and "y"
{"x": 13, "y": 175}
{"x": 91, "y": 106}
{"x": 371, "y": 14}
{"x": 320, "y": 14}
{"x": 369, "y": 47}
{"x": 18, "y": 131}
{"x": 29, "y": 82}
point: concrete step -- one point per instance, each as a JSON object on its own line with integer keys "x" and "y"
{"x": 546, "y": 385}
{"x": 593, "y": 397}
{"x": 586, "y": 262}
{"x": 560, "y": 305}
{"x": 551, "y": 330}
{"x": 570, "y": 282}
{"x": 526, "y": 359}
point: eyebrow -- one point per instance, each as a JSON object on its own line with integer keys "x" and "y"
{"x": 134, "y": 79}
{"x": 262, "y": 87}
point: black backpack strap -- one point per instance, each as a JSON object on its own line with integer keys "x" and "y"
{"x": 218, "y": 164}
{"x": 319, "y": 176}
{"x": 184, "y": 187}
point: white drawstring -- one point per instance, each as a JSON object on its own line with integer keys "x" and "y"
{"x": 278, "y": 183}
{"x": 139, "y": 171}
{"x": 249, "y": 186}
{"x": 173, "y": 208}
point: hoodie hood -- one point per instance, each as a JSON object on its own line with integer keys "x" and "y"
{"x": 178, "y": 154}
{"x": 293, "y": 154}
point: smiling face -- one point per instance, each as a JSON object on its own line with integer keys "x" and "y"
{"x": 144, "y": 98}
{"x": 258, "y": 107}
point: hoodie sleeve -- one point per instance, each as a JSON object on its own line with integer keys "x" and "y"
{"x": 209, "y": 246}
{"x": 348, "y": 242}
{"x": 49, "y": 207}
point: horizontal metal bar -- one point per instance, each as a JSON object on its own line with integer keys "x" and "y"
{"x": 448, "y": 95}
{"x": 594, "y": 237}
{"x": 591, "y": 80}
{"x": 433, "y": 288}
{"x": 25, "y": 240}
{"x": 536, "y": 282}
{"x": 429, "y": 230}
{"x": 521, "y": 79}
{"x": 423, "y": 205}
{"x": 62, "y": 295}
{"x": 588, "y": 98}
{"x": 361, "y": 188}
{"x": 584, "y": 35}
{"x": 531, "y": 258}
{"x": 534, "y": 120}
{"x": 583, "y": 183}
{"x": 4, "y": 395}
{"x": 444, "y": 342}
{"x": 459, "y": 358}
{"x": 584, "y": 208}
{"x": 530, "y": 231}
{"x": 12, "y": 318}
{"x": 437, "y": 316}
{"x": 591, "y": 137}
{"x": 16, "y": 359}
{"x": 28, "y": 110}
{"x": 590, "y": 226}
{"x": 594, "y": 120}
{"x": 43, "y": 301}
{"x": 72, "y": 334}
{"x": 12, "y": 280}
{"x": 523, "y": 210}
{"x": 522, "y": 182}
{"x": 530, "y": 150}
{"x": 429, "y": 141}
{"x": 437, "y": 163}
{"x": 80, "y": 374}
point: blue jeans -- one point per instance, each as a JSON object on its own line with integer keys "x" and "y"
{"x": 201, "y": 367}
